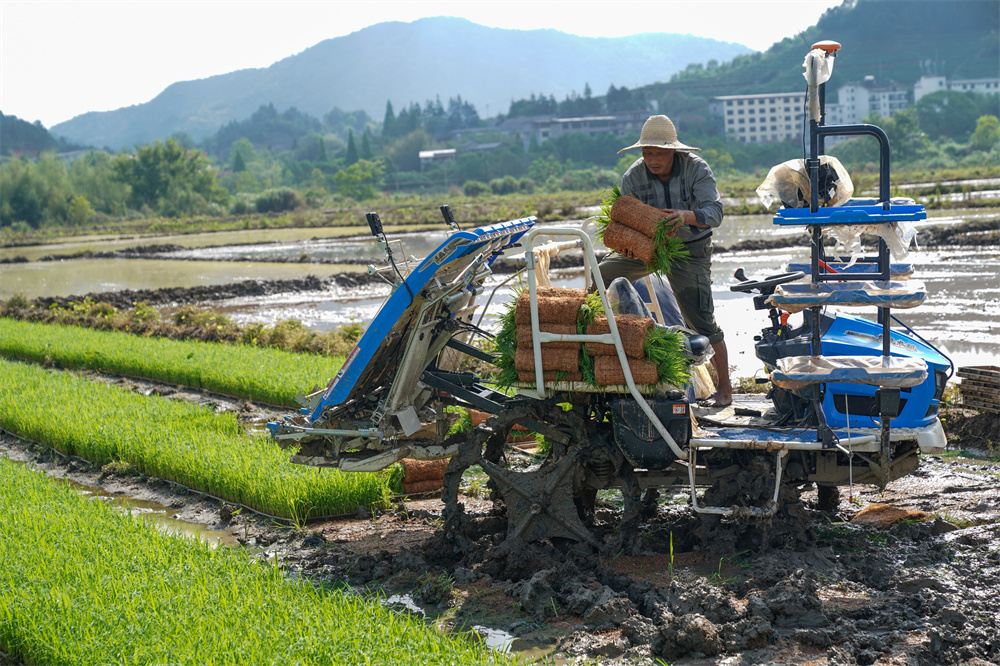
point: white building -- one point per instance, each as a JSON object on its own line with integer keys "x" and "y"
{"x": 930, "y": 84}
{"x": 762, "y": 118}
{"x": 435, "y": 156}
{"x": 772, "y": 117}
{"x": 855, "y": 101}
{"x": 543, "y": 128}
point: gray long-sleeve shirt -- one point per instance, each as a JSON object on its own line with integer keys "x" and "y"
{"x": 691, "y": 187}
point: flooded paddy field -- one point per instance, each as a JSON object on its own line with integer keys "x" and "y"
{"x": 960, "y": 315}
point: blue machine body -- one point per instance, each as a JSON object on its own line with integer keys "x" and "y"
{"x": 371, "y": 349}
{"x": 855, "y": 404}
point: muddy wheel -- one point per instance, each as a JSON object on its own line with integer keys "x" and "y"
{"x": 547, "y": 501}
{"x": 540, "y": 503}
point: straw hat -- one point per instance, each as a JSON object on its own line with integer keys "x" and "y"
{"x": 659, "y": 132}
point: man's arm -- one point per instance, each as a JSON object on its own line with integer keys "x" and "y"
{"x": 705, "y": 197}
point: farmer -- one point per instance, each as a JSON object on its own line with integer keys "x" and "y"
{"x": 670, "y": 177}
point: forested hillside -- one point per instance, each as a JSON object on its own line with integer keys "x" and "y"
{"x": 17, "y": 136}
{"x": 892, "y": 40}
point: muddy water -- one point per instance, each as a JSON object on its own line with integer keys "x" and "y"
{"x": 154, "y": 513}
{"x": 83, "y": 276}
{"x": 162, "y": 517}
{"x": 961, "y": 314}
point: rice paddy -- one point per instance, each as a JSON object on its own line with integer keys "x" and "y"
{"x": 82, "y": 583}
{"x": 176, "y": 441}
{"x": 265, "y": 375}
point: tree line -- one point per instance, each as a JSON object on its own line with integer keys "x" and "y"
{"x": 278, "y": 160}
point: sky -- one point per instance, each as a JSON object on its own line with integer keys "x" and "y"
{"x": 59, "y": 59}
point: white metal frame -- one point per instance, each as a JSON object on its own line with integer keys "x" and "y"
{"x": 592, "y": 273}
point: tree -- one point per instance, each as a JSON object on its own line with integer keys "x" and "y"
{"x": 168, "y": 178}
{"x": 239, "y": 164}
{"x": 389, "y": 123}
{"x": 405, "y": 151}
{"x": 987, "y": 133}
{"x": 321, "y": 150}
{"x": 93, "y": 177}
{"x": 366, "y": 145}
{"x": 22, "y": 194}
{"x": 947, "y": 113}
{"x": 352, "y": 150}
{"x": 360, "y": 180}
{"x": 79, "y": 211}
{"x": 544, "y": 168}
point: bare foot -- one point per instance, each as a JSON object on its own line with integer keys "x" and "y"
{"x": 716, "y": 400}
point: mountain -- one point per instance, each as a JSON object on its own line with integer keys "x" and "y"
{"x": 403, "y": 63}
{"x": 891, "y": 40}
{"x": 18, "y": 136}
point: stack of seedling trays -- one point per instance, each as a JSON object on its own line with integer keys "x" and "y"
{"x": 607, "y": 366}
{"x": 654, "y": 354}
{"x": 558, "y": 312}
{"x": 631, "y": 227}
{"x": 980, "y": 387}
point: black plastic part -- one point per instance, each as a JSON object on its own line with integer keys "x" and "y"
{"x": 374, "y": 223}
{"x": 637, "y": 437}
{"x": 888, "y": 402}
{"x": 469, "y": 350}
{"x": 699, "y": 344}
{"x": 449, "y": 217}
{"x": 768, "y": 284}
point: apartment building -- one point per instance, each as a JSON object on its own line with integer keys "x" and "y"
{"x": 930, "y": 84}
{"x": 855, "y": 101}
{"x": 761, "y": 118}
{"x": 544, "y": 128}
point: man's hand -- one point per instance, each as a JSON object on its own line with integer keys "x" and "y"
{"x": 675, "y": 219}
{"x": 682, "y": 217}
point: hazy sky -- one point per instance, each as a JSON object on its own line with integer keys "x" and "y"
{"x": 61, "y": 59}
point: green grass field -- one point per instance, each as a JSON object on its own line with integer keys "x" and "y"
{"x": 176, "y": 441}
{"x": 82, "y": 583}
{"x": 265, "y": 375}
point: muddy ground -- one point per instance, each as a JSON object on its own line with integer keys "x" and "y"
{"x": 830, "y": 590}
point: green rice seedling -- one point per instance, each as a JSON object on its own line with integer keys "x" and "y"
{"x": 175, "y": 441}
{"x": 266, "y": 375}
{"x": 592, "y": 308}
{"x": 604, "y": 217}
{"x": 504, "y": 343}
{"x": 665, "y": 348}
{"x": 82, "y": 583}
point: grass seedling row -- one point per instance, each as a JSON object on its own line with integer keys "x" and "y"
{"x": 176, "y": 441}
{"x": 265, "y": 375}
{"x": 82, "y": 583}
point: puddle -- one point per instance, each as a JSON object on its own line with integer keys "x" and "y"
{"x": 154, "y": 513}
{"x": 497, "y": 640}
{"x": 406, "y": 601}
{"x": 164, "y": 518}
